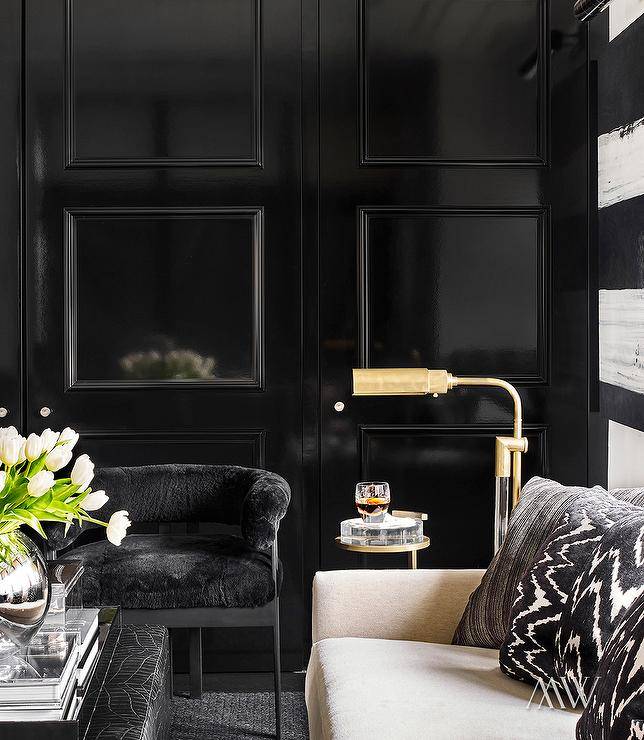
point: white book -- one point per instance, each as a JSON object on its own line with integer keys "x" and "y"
{"x": 86, "y": 667}
{"x": 37, "y": 713}
{"x": 86, "y": 622}
{"x": 41, "y": 673}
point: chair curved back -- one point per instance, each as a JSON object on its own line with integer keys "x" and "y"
{"x": 226, "y": 494}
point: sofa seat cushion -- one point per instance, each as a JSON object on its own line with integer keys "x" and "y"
{"x": 175, "y": 572}
{"x": 364, "y": 689}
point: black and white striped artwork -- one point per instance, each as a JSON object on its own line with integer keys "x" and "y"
{"x": 620, "y": 194}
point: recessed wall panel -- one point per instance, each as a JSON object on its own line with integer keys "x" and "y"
{"x": 456, "y": 289}
{"x": 148, "y": 85}
{"x": 448, "y": 474}
{"x": 233, "y": 447}
{"x": 453, "y": 81}
{"x": 164, "y": 297}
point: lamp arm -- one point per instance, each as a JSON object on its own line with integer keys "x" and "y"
{"x": 496, "y": 383}
{"x": 505, "y": 446}
{"x": 419, "y": 381}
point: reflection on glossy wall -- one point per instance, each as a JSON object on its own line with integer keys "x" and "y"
{"x": 443, "y": 78}
{"x": 165, "y": 298}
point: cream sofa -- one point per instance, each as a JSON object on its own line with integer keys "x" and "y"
{"x": 382, "y": 666}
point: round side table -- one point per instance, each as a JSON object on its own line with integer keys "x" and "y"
{"x": 411, "y": 549}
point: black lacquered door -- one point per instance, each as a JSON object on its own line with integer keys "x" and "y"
{"x": 10, "y": 335}
{"x": 162, "y": 206}
{"x": 452, "y": 235}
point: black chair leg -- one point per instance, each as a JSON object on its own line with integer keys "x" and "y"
{"x": 196, "y": 686}
{"x": 171, "y": 662}
{"x": 277, "y": 669}
{"x": 277, "y": 660}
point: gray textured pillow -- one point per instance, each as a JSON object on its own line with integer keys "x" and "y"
{"x": 543, "y": 502}
{"x": 632, "y": 495}
{"x": 486, "y": 619}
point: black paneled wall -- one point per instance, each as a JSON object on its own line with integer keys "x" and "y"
{"x": 222, "y": 207}
{"x": 452, "y": 235}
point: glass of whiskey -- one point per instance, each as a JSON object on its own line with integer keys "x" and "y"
{"x": 372, "y": 500}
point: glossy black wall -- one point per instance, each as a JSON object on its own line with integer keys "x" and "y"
{"x": 292, "y": 189}
{"x": 452, "y": 234}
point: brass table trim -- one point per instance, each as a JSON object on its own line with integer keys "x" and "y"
{"x": 411, "y": 548}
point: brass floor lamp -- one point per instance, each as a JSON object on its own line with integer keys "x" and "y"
{"x": 422, "y": 382}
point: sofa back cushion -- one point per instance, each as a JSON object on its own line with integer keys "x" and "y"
{"x": 528, "y": 651}
{"x": 486, "y": 619}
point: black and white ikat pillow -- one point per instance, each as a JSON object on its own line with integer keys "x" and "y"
{"x": 528, "y": 651}
{"x": 615, "y": 708}
{"x": 611, "y": 581}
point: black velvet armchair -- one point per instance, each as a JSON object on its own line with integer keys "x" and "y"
{"x": 180, "y": 577}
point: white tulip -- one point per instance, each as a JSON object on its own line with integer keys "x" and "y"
{"x": 82, "y": 472}
{"x": 49, "y": 440}
{"x": 22, "y": 455}
{"x": 95, "y": 500}
{"x": 117, "y": 527}
{"x": 40, "y": 483}
{"x": 68, "y": 437}
{"x": 70, "y": 521}
{"x": 8, "y": 432}
{"x": 10, "y": 450}
{"x": 3, "y": 479}
{"x": 33, "y": 447}
{"x": 58, "y": 458}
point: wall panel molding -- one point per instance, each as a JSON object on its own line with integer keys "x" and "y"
{"x": 542, "y": 156}
{"x": 541, "y": 431}
{"x": 542, "y": 216}
{"x": 74, "y": 161}
{"x": 254, "y": 439}
{"x": 73, "y": 215}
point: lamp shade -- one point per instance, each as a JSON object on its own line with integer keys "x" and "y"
{"x": 400, "y": 381}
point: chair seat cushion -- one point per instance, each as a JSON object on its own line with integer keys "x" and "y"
{"x": 175, "y": 572}
{"x": 361, "y": 689}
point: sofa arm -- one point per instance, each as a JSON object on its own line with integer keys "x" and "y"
{"x": 421, "y": 605}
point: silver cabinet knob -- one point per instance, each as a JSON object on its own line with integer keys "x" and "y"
{"x": 45, "y": 411}
{"x": 338, "y": 406}
{"x": 3, "y": 412}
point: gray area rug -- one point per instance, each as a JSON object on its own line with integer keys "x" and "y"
{"x": 240, "y": 716}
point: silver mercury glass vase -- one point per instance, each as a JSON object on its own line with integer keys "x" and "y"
{"x": 24, "y": 591}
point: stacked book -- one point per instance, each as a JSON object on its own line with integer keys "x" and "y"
{"x": 85, "y": 622}
{"x": 46, "y": 680}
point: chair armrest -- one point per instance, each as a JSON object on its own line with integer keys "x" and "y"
{"x": 421, "y": 605}
{"x": 264, "y": 507}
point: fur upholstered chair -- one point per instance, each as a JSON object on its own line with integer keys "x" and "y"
{"x": 180, "y": 577}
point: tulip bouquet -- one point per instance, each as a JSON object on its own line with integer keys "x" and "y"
{"x": 30, "y": 493}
